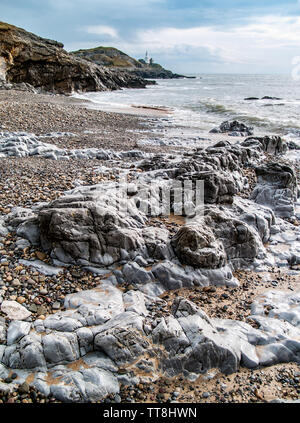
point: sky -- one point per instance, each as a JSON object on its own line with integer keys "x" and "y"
{"x": 186, "y": 36}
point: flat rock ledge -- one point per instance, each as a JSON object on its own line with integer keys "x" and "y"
{"x": 106, "y": 337}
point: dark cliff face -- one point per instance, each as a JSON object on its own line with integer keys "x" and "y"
{"x": 113, "y": 58}
{"x": 43, "y": 63}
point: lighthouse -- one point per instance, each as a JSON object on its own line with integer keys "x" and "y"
{"x": 147, "y": 59}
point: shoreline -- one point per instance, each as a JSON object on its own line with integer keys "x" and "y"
{"x": 35, "y": 179}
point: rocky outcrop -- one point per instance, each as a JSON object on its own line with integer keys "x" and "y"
{"x": 115, "y": 59}
{"x": 233, "y": 128}
{"x": 273, "y": 145}
{"x": 42, "y": 63}
{"x": 276, "y": 188}
{"x": 113, "y": 335}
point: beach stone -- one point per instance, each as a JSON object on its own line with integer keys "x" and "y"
{"x": 14, "y": 310}
{"x": 30, "y": 231}
{"x": 23, "y": 388}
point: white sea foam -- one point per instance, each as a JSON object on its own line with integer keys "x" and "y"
{"x": 204, "y": 103}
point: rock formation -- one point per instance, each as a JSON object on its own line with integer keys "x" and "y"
{"x": 233, "y": 128}
{"x": 110, "y": 335}
{"x": 42, "y": 63}
{"x": 113, "y": 58}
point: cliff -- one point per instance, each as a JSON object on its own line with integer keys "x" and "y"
{"x": 116, "y": 59}
{"x": 43, "y": 63}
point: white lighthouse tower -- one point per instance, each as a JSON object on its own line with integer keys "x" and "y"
{"x": 147, "y": 59}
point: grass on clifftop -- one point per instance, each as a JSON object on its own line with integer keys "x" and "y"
{"x": 4, "y": 25}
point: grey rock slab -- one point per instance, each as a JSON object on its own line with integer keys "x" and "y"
{"x": 61, "y": 323}
{"x": 122, "y": 338}
{"x": 135, "y": 301}
{"x": 16, "y": 330}
{"x": 104, "y": 299}
{"x": 133, "y": 273}
{"x": 42, "y": 267}
{"x": 170, "y": 333}
{"x": 85, "y": 386}
{"x": 60, "y": 347}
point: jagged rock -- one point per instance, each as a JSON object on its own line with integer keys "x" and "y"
{"x": 32, "y": 353}
{"x": 172, "y": 276}
{"x": 122, "y": 338}
{"x": 42, "y": 63}
{"x": 84, "y": 386}
{"x": 216, "y": 238}
{"x": 233, "y": 127}
{"x": 261, "y": 218}
{"x": 157, "y": 243}
{"x": 185, "y": 341}
{"x": 270, "y": 144}
{"x": 135, "y": 301}
{"x": 207, "y": 347}
{"x": 85, "y": 229}
{"x": 197, "y": 246}
{"x": 276, "y": 188}
{"x": 23, "y": 86}
{"x": 240, "y": 240}
{"x": 30, "y": 230}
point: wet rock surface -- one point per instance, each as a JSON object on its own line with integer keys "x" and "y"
{"x": 123, "y": 301}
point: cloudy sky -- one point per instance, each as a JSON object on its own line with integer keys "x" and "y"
{"x": 188, "y": 36}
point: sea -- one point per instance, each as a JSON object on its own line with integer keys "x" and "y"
{"x": 204, "y": 102}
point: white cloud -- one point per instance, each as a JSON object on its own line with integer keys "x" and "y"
{"x": 246, "y": 44}
{"x": 102, "y": 30}
{"x": 263, "y": 44}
